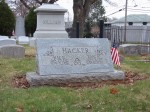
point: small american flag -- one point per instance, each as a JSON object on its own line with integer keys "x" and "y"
{"x": 115, "y": 55}
{"x": 13, "y": 33}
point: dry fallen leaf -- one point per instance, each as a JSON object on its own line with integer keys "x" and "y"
{"x": 113, "y": 91}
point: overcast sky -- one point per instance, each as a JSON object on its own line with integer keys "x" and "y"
{"x": 142, "y": 7}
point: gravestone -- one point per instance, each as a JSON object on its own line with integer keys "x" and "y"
{"x": 62, "y": 60}
{"x": 50, "y": 22}
{"x": 12, "y": 51}
{"x": 23, "y": 40}
{"x": 32, "y": 42}
{"x": 7, "y": 42}
{"x": 19, "y": 28}
{"x": 3, "y": 37}
{"x": 75, "y": 56}
{"x": 144, "y": 49}
{"x": 134, "y": 49}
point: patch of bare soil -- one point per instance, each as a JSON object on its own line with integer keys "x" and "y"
{"x": 29, "y": 56}
{"x": 130, "y": 78}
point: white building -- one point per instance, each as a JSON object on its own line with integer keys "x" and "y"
{"x": 134, "y": 20}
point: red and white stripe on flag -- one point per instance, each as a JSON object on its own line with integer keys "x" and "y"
{"x": 115, "y": 56}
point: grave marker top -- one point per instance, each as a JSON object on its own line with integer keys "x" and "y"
{"x": 50, "y": 8}
{"x": 50, "y": 22}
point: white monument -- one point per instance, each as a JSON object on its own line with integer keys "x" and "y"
{"x": 61, "y": 59}
{"x": 50, "y": 22}
{"x": 20, "y": 27}
{"x": 32, "y": 42}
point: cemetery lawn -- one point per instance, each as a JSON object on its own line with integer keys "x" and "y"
{"x": 131, "y": 97}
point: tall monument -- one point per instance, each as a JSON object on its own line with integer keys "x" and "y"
{"x": 20, "y": 26}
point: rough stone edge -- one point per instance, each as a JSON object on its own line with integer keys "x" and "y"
{"x": 54, "y": 80}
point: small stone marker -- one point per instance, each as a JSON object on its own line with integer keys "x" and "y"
{"x": 7, "y": 42}
{"x": 134, "y": 49}
{"x": 61, "y": 60}
{"x": 12, "y": 51}
{"x": 3, "y": 37}
{"x": 23, "y": 40}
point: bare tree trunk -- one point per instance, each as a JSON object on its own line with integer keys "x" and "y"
{"x": 77, "y": 9}
{"x": 81, "y": 10}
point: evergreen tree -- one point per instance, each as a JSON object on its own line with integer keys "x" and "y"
{"x": 7, "y": 19}
{"x": 97, "y": 12}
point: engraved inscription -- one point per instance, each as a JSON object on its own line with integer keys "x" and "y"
{"x": 59, "y": 60}
{"x": 73, "y": 56}
{"x": 49, "y": 52}
{"x": 57, "y": 22}
{"x": 75, "y": 50}
{"x": 77, "y": 61}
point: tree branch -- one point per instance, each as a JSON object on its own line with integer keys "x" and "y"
{"x": 93, "y": 1}
{"x": 111, "y": 3}
{"x": 87, "y": 5}
{"x": 25, "y": 4}
{"x": 37, "y": 1}
{"x": 52, "y": 1}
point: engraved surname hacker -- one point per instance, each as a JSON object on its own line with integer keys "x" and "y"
{"x": 75, "y": 50}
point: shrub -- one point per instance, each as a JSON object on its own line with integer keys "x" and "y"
{"x": 7, "y": 19}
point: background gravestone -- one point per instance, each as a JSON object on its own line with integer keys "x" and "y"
{"x": 20, "y": 28}
{"x": 134, "y": 49}
{"x": 23, "y": 40}
{"x": 7, "y": 42}
{"x": 50, "y": 22}
{"x": 12, "y": 51}
{"x": 3, "y": 37}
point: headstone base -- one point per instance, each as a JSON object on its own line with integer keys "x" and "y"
{"x": 51, "y": 34}
{"x": 55, "y": 80}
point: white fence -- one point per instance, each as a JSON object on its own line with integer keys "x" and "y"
{"x": 134, "y": 34}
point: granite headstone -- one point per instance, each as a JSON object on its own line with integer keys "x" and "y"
{"x": 23, "y": 40}
{"x": 73, "y": 56}
{"x": 3, "y": 37}
{"x": 12, "y": 51}
{"x": 7, "y": 42}
{"x": 61, "y": 60}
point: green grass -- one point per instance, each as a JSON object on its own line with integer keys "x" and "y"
{"x": 137, "y": 66}
{"x": 130, "y": 98}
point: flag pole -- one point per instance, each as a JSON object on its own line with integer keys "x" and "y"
{"x": 125, "y": 24}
